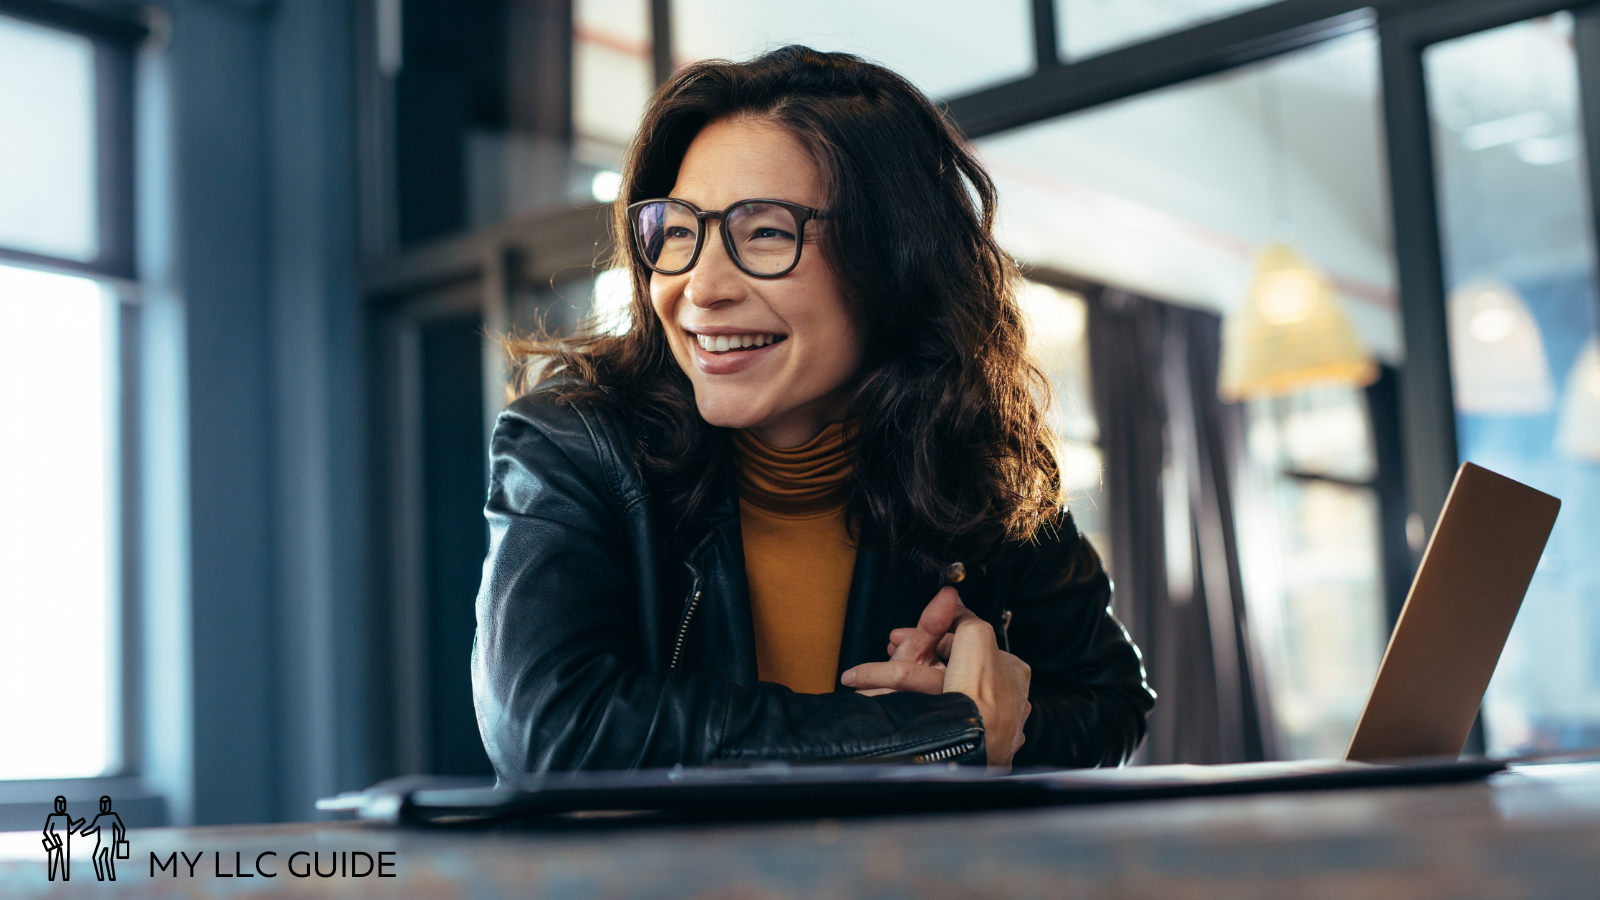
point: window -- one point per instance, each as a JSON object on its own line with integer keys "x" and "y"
{"x": 1525, "y": 346}
{"x": 957, "y": 49}
{"x": 1089, "y": 27}
{"x": 64, "y": 240}
{"x": 47, "y": 189}
{"x": 1170, "y": 194}
{"x": 58, "y": 534}
{"x": 1056, "y": 323}
{"x": 1316, "y": 594}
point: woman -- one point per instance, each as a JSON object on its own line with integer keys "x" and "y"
{"x": 807, "y": 508}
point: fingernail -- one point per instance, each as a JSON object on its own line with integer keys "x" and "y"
{"x": 849, "y": 677}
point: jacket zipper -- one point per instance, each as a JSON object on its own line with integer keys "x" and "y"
{"x": 683, "y": 627}
{"x": 945, "y": 753}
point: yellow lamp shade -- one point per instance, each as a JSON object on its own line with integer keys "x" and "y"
{"x": 1291, "y": 333}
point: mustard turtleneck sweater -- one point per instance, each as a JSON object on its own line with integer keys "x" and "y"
{"x": 797, "y": 554}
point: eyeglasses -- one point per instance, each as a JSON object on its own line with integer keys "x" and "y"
{"x": 762, "y": 237}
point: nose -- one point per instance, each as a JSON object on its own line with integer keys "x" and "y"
{"x": 714, "y": 277}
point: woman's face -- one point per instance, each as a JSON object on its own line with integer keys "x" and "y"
{"x": 784, "y": 392}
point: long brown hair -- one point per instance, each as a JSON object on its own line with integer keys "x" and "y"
{"x": 953, "y": 454}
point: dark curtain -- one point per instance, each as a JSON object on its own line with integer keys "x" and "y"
{"x": 1173, "y": 456}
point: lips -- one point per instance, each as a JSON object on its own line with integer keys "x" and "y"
{"x": 729, "y": 362}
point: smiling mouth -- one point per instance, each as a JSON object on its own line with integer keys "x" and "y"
{"x": 725, "y": 345}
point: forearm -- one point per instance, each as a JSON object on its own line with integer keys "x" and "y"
{"x": 600, "y": 715}
{"x": 1075, "y": 724}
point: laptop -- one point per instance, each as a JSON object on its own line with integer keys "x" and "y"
{"x": 1457, "y": 615}
{"x": 1468, "y": 588}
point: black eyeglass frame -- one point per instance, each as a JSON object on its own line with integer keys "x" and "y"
{"x": 802, "y": 215}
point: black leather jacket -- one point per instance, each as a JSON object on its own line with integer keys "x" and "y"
{"x": 597, "y": 647}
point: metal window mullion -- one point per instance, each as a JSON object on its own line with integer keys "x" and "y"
{"x": 123, "y": 281}
{"x": 1586, "y": 47}
{"x": 661, "y": 40}
{"x": 114, "y": 162}
{"x": 1428, "y": 411}
{"x": 1164, "y": 61}
{"x": 1443, "y": 21}
{"x": 1046, "y": 50}
{"x": 103, "y": 24}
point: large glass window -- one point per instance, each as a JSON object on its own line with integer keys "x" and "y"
{"x": 611, "y": 76}
{"x": 1316, "y": 589}
{"x": 1089, "y": 27}
{"x": 1522, "y": 309}
{"x": 60, "y": 571}
{"x": 47, "y": 158}
{"x": 58, "y": 535}
{"x": 948, "y": 50}
{"x": 1171, "y": 194}
{"x": 1056, "y": 322}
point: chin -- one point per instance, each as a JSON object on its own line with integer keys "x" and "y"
{"x": 726, "y": 412}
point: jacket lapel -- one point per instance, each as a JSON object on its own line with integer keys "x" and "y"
{"x": 723, "y": 625}
{"x": 881, "y": 600}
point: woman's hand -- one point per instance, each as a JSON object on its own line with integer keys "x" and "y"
{"x": 953, "y": 650}
{"x": 914, "y": 660}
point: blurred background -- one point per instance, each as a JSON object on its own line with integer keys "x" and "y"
{"x": 1288, "y": 264}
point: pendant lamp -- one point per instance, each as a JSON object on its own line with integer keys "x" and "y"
{"x": 1578, "y": 434}
{"x": 1291, "y": 333}
{"x": 1497, "y": 359}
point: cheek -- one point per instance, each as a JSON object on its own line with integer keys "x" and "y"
{"x": 661, "y": 308}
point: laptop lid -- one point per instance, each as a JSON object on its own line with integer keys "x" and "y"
{"x": 1465, "y": 596}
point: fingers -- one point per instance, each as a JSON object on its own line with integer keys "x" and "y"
{"x": 909, "y": 650}
{"x": 898, "y": 675}
{"x": 941, "y": 611}
{"x": 928, "y": 642}
{"x": 874, "y": 692}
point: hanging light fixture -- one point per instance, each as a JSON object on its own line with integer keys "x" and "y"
{"x": 1291, "y": 331}
{"x": 1578, "y": 434}
{"x": 1497, "y": 360}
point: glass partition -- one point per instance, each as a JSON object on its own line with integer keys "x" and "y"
{"x": 1520, "y": 278}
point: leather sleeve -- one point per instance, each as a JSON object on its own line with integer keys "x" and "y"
{"x": 556, "y": 671}
{"x": 1088, "y": 686}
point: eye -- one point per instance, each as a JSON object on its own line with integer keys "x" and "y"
{"x": 672, "y": 232}
{"x": 770, "y": 232}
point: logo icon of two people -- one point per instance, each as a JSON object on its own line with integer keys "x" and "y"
{"x": 110, "y": 844}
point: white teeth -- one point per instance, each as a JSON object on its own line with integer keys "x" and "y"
{"x": 723, "y": 342}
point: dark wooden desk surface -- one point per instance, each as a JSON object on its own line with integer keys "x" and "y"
{"x": 1533, "y": 833}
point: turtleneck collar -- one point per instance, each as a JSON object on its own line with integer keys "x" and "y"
{"x": 795, "y": 481}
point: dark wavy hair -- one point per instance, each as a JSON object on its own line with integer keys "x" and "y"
{"x": 953, "y": 454}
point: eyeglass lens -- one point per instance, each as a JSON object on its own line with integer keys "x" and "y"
{"x": 764, "y": 237}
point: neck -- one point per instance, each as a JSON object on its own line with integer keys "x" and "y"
{"x": 801, "y": 480}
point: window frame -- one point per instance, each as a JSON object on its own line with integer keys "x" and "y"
{"x": 115, "y": 39}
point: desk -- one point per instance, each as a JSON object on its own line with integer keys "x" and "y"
{"x": 1532, "y": 833}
